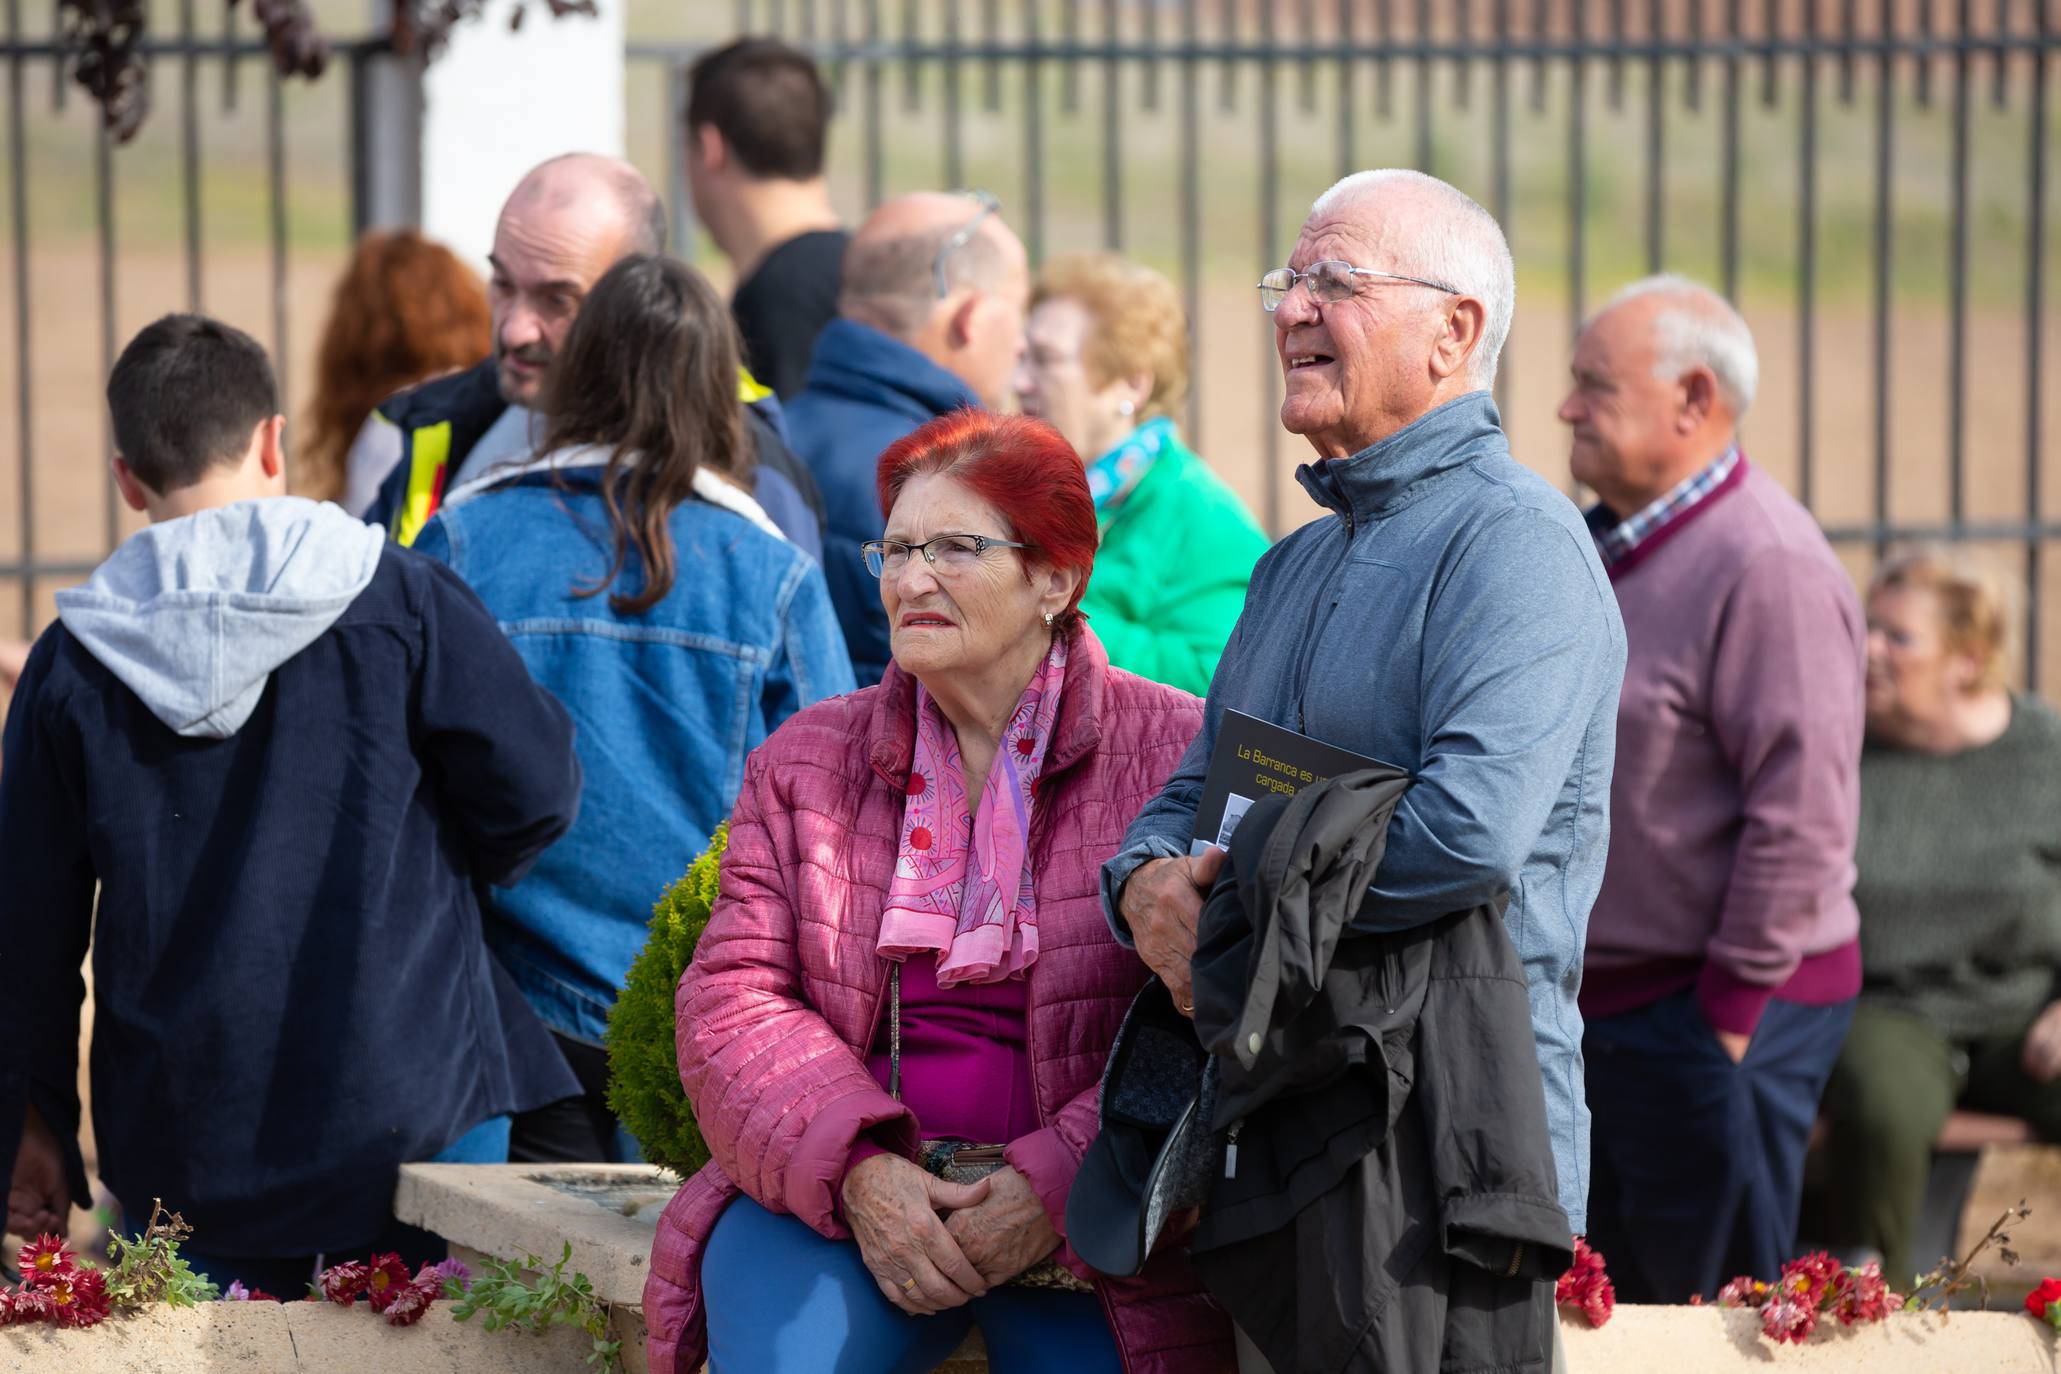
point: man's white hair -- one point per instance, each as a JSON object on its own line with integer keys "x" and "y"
{"x": 1457, "y": 244}
{"x": 1696, "y": 327}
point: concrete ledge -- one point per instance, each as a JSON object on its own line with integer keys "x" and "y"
{"x": 509, "y": 1210}
{"x": 608, "y": 1213}
{"x": 287, "y": 1338}
{"x": 1709, "y": 1340}
{"x": 317, "y": 1338}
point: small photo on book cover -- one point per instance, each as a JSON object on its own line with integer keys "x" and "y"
{"x": 1254, "y": 757}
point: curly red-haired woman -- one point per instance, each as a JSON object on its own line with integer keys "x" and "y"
{"x": 405, "y": 310}
{"x": 908, "y": 948}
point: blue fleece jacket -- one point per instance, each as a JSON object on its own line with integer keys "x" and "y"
{"x": 1451, "y": 617}
{"x": 865, "y": 390}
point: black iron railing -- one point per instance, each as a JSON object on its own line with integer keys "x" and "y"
{"x": 1086, "y": 75}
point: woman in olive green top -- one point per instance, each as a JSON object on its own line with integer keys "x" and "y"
{"x": 1959, "y": 889}
{"x": 1105, "y": 361}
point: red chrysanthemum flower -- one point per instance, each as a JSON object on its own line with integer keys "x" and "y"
{"x": 1813, "y": 1275}
{"x": 28, "y": 1304}
{"x": 78, "y": 1298}
{"x": 386, "y": 1276}
{"x": 2038, "y": 1300}
{"x": 408, "y": 1302}
{"x": 1862, "y": 1295}
{"x": 45, "y": 1258}
{"x": 920, "y": 838}
{"x": 1585, "y": 1285}
{"x": 1789, "y": 1316}
{"x": 1744, "y": 1291}
{"x": 342, "y": 1283}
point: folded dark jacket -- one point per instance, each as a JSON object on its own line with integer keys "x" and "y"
{"x": 1388, "y": 1195}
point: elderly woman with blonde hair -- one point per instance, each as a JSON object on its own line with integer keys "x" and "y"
{"x": 1105, "y": 362}
{"x": 1959, "y": 890}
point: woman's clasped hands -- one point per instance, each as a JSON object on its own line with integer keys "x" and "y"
{"x": 933, "y": 1245}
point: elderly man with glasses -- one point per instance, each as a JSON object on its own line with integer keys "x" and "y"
{"x": 1451, "y": 618}
{"x": 930, "y": 320}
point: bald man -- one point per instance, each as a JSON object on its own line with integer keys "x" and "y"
{"x": 1449, "y": 617}
{"x": 930, "y": 320}
{"x": 566, "y": 223}
{"x": 1722, "y": 960}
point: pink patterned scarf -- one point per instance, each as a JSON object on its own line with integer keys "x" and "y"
{"x": 962, "y": 885}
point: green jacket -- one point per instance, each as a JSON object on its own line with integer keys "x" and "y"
{"x": 1170, "y": 579}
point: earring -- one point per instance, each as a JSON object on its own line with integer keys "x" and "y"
{"x": 1048, "y": 620}
{"x": 1126, "y": 407}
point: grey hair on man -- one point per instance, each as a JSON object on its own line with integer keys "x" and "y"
{"x": 1447, "y": 237}
{"x": 1696, "y": 327}
{"x": 892, "y": 267}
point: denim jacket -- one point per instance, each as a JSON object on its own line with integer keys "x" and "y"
{"x": 1450, "y": 618}
{"x": 667, "y": 703}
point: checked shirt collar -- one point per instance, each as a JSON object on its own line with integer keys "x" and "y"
{"x": 1619, "y": 541}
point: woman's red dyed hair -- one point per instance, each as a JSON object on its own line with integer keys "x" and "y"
{"x": 1018, "y": 465}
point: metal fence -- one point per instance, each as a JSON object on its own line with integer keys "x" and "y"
{"x": 1378, "y": 68}
{"x": 1324, "y": 87}
{"x": 236, "y": 64}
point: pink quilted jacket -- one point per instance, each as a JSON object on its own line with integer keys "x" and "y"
{"x": 785, "y": 991}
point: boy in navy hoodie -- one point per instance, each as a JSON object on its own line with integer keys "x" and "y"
{"x": 284, "y": 752}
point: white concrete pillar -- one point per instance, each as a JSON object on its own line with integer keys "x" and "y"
{"x": 496, "y": 103}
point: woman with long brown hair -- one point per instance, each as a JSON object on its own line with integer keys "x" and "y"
{"x": 644, "y": 586}
{"x": 405, "y": 310}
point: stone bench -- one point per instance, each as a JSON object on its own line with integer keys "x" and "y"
{"x": 607, "y": 1211}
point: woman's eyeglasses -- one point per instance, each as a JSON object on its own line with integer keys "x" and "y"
{"x": 947, "y": 554}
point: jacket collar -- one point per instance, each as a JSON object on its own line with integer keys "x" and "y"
{"x": 857, "y": 360}
{"x": 1384, "y": 473}
{"x": 587, "y": 462}
{"x": 1075, "y": 733}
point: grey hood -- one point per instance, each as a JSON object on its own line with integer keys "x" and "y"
{"x": 193, "y": 614}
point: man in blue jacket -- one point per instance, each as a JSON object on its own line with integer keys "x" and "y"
{"x": 1450, "y": 617}
{"x": 285, "y": 753}
{"x": 930, "y": 320}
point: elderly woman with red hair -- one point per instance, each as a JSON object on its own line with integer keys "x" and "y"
{"x": 908, "y": 958}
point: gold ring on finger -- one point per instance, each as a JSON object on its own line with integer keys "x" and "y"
{"x": 908, "y": 1285}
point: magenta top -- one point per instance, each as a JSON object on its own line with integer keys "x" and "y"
{"x": 965, "y": 1059}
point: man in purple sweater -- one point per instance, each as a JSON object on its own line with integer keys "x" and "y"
{"x": 1722, "y": 958}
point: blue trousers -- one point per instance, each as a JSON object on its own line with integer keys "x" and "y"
{"x": 288, "y": 1278}
{"x": 783, "y": 1300}
{"x": 1696, "y": 1162}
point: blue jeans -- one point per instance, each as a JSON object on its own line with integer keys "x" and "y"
{"x": 1697, "y": 1163}
{"x": 288, "y": 1278}
{"x": 783, "y": 1300}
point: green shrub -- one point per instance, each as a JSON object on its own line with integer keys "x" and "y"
{"x": 643, "y": 1066}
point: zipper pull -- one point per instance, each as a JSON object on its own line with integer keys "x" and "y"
{"x": 1231, "y": 1150}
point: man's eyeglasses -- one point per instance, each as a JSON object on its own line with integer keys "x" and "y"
{"x": 1331, "y": 281}
{"x": 948, "y": 553}
{"x": 959, "y": 239}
